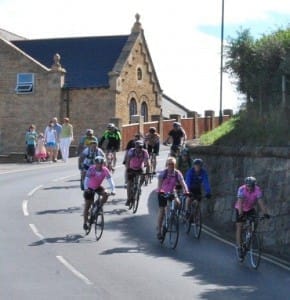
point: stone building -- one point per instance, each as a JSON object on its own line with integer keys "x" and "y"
{"x": 93, "y": 80}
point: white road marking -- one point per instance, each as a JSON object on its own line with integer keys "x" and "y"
{"x": 34, "y": 190}
{"x": 63, "y": 178}
{"x": 73, "y": 270}
{"x": 24, "y": 208}
{"x": 278, "y": 262}
{"x": 36, "y": 232}
{"x": 30, "y": 169}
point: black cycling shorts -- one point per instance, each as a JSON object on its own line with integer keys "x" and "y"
{"x": 153, "y": 149}
{"x": 246, "y": 214}
{"x": 90, "y": 194}
{"x": 162, "y": 200}
{"x": 132, "y": 173}
{"x": 196, "y": 194}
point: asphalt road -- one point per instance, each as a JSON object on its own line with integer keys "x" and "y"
{"x": 45, "y": 255}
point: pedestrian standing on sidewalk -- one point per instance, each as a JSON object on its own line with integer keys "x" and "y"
{"x": 30, "y": 140}
{"x": 40, "y": 151}
{"x": 50, "y": 140}
{"x": 58, "y": 129}
{"x": 66, "y": 137}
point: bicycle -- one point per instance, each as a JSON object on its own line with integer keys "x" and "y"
{"x": 150, "y": 171}
{"x": 250, "y": 241}
{"x": 192, "y": 218}
{"x": 171, "y": 221}
{"x": 175, "y": 150}
{"x": 96, "y": 217}
{"x": 135, "y": 192}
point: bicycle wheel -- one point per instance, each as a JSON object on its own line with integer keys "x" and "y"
{"x": 197, "y": 222}
{"x": 99, "y": 223}
{"x": 91, "y": 221}
{"x": 255, "y": 250}
{"x": 136, "y": 200}
{"x": 173, "y": 230}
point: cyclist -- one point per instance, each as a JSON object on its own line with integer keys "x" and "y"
{"x": 178, "y": 137}
{"x": 184, "y": 162}
{"x": 248, "y": 196}
{"x": 195, "y": 178}
{"x": 130, "y": 144}
{"x": 113, "y": 136}
{"x": 86, "y": 140}
{"x": 94, "y": 178}
{"x": 137, "y": 159}
{"x": 87, "y": 158}
{"x": 167, "y": 181}
{"x": 152, "y": 141}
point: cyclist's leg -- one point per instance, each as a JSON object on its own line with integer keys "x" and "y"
{"x": 89, "y": 199}
{"x": 114, "y": 162}
{"x": 162, "y": 206}
{"x": 104, "y": 195}
{"x": 239, "y": 224}
{"x": 130, "y": 177}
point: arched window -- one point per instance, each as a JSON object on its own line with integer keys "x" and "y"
{"x": 132, "y": 107}
{"x": 139, "y": 74}
{"x": 144, "y": 111}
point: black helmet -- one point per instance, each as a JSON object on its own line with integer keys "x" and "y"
{"x": 198, "y": 162}
{"x": 250, "y": 181}
{"x": 99, "y": 159}
{"x": 152, "y": 129}
{"x": 139, "y": 144}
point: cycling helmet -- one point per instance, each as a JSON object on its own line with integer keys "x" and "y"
{"x": 90, "y": 131}
{"x": 176, "y": 124}
{"x": 198, "y": 162}
{"x": 111, "y": 126}
{"x": 152, "y": 129}
{"x": 250, "y": 181}
{"x": 99, "y": 159}
{"x": 139, "y": 144}
{"x": 94, "y": 141}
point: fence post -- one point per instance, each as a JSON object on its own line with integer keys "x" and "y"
{"x": 194, "y": 116}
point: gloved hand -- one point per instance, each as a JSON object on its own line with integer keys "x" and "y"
{"x": 208, "y": 196}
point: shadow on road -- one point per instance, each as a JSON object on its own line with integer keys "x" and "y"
{"x": 206, "y": 264}
{"x": 68, "y": 210}
{"x": 70, "y": 238}
{"x": 62, "y": 187}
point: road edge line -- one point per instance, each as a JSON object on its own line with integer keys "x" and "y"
{"x": 273, "y": 260}
{"x": 71, "y": 268}
{"x": 24, "y": 208}
{"x": 37, "y": 233}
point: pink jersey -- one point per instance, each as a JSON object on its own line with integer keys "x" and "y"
{"x": 137, "y": 160}
{"x": 170, "y": 180}
{"x": 95, "y": 178}
{"x": 249, "y": 199}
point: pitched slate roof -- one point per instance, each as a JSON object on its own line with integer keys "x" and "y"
{"x": 87, "y": 60}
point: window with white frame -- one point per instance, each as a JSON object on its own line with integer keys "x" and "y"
{"x": 25, "y": 83}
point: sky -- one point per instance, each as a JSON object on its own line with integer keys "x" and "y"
{"x": 183, "y": 36}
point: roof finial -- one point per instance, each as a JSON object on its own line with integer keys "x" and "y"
{"x": 56, "y": 63}
{"x": 137, "y": 25}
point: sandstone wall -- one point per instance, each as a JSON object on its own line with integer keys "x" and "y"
{"x": 18, "y": 111}
{"x": 271, "y": 166}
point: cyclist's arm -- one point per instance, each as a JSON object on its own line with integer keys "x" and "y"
{"x": 111, "y": 184}
{"x": 182, "y": 182}
{"x": 188, "y": 178}
{"x": 240, "y": 206}
{"x": 262, "y": 206}
{"x": 184, "y": 138}
{"x": 86, "y": 182}
{"x": 206, "y": 184}
{"x": 102, "y": 140}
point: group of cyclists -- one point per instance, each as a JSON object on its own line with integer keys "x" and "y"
{"x": 180, "y": 172}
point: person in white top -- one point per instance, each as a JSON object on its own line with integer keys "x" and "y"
{"x": 50, "y": 137}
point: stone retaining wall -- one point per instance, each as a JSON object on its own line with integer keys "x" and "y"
{"x": 228, "y": 166}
